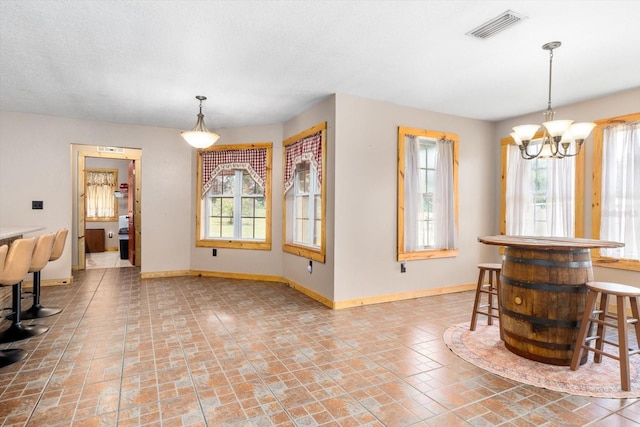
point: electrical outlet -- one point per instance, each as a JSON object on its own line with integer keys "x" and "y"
{"x": 214, "y": 252}
{"x": 310, "y": 267}
{"x": 403, "y": 267}
{"x": 37, "y": 204}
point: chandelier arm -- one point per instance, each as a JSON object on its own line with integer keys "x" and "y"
{"x": 531, "y": 156}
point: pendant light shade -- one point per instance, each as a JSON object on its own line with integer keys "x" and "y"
{"x": 561, "y": 138}
{"x": 200, "y": 136}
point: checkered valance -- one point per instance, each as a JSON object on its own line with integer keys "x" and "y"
{"x": 253, "y": 160}
{"x": 308, "y": 149}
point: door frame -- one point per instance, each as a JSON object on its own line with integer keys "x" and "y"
{"x": 79, "y": 153}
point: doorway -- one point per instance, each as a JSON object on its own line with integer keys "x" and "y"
{"x": 116, "y": 234}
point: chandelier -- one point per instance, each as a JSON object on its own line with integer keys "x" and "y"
{"x": 200, "y": 137}
{"x": 561, "y": 138}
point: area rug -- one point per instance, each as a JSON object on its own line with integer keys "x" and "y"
{"x": 484, "y": 349}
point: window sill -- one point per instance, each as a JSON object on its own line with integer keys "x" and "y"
{"x": 233, "y": 244}
{"x": 304, "y": 251}
{"x": 619, "y": 264}
{"x": 111, "y": 219}
{"x": 408, "y": 256}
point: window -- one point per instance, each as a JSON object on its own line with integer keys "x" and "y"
{"x": 540, "y": 197}
{"x": 427, "y": 194}
{"x": 234, "y": 208}
{"x": 100, "y": 188}
{"x": 304, "y": 193}
{"x": 616, "y": 190}
{"x": 307, "y": 207}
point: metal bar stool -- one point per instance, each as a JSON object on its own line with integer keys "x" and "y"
{"x": 603, "y": 318}
{"x": 491, "y": 289}
{"x": 16, "y": 267}
{"x": 10, "y": 355}
{"x": 36, "y": 310}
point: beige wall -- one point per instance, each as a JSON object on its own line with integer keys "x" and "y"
{"x": 255, "y": 262}
{"x": 35, "y": 164}
{"x": 295, "y": 267}
{"x": 366, "y": 194}
{"x": 609, "y": 106}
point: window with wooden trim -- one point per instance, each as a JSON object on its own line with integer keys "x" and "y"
{"x": 540, "y": 197}
{"x": 615, "y": 212}
{"x": 305, "y": 193}
{"x": 234, "y": 196}
{"x": 100, "y": 195}
{"x": 427, "y": 194}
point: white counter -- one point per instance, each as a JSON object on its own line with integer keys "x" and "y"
{"x": 10, "y": 232}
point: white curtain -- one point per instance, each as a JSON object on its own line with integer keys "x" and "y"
{"x": 100, "y": 198}
{"x": 559, "y": 196}
{"x": 519, "y": 194}
{"x": 443, "y": 207}
{"x": 620, "y": 203}
{"x": 412, "y": 200}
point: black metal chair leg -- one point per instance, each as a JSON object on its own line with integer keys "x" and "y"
{"x": 37, "y": 311}
{"x": 17, "y": 331}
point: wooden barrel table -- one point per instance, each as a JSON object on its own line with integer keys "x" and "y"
{"x": 543, "y": 294}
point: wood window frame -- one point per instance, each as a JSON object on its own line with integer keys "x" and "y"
{"x": 201, "y": 202}
{"x": 312, "y": 253}
{"x": 596, "y": 212}
{"x": 579, "y": 186}
{"x": 403, "y": 255}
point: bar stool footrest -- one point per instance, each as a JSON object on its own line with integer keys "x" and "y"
{"x": 19, "y": 332}
{"x": 38, "y": 312}
{"x": 11, "y": 356}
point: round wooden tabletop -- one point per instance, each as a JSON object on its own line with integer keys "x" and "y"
{"x": 548, "y": 242}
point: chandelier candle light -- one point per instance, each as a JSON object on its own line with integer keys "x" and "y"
{"x": 561, "y": 138}
{"x": 200, "y": 136}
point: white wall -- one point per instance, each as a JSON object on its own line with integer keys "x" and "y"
{"x": 35, "y": 164}
{"x": 601, "y": 108}
{"x": 295, "y": 267}
{"x": 366, "y": 200}
{"x": 258, "y": 262}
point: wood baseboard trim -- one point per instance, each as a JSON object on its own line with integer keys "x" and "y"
{"x": 402, "y": 296}
{"x": 50, "y": 282}
{"x": 308, "y": 292}
{"x": 112, "y": 249}
{"x": 158, "y": 274}
{"x": 242, "y": 276}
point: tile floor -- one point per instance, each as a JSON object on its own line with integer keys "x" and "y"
{"x": 106, "y": 259}
{"x": 199, "y": 351}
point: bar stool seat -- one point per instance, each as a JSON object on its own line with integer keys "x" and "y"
{"x": 491, "y": 289}
{"x": 11, "y": 355}
{"x": 16, "y": 267}
{"x": 603, "y": 319}
{"x": 37, "y": 311}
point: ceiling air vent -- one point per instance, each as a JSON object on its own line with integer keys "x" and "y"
{"x": 497, "y": 24}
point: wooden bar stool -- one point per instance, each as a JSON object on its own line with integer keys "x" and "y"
{"x": 10, "y": 355}
{"x": 16, "y": 267}
{"x": 603, "y": 318}
{"x": 491, "y": 289}
{"x": 36, "y": 310}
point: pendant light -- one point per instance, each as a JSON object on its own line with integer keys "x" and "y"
{"x": 200, "y": 136}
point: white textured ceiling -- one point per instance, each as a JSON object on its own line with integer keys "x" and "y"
{"x": 262, "y": 62}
